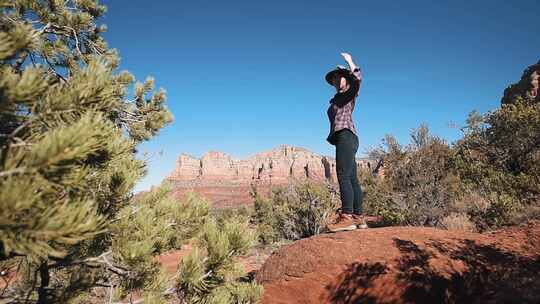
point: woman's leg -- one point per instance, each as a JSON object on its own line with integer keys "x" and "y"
{"x": 346, "y": 168}
{"x": 357, "y": 190}
{"x": 358, "y": 194}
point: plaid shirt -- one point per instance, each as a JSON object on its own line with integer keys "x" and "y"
{"x": 342, "y": 106}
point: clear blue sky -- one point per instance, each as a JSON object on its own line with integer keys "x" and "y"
{"x": 245, "y": 76}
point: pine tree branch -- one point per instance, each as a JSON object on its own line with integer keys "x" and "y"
{"x": 51, "y": 67}
{"x": 167, "y": 292}
{"x": 111, "y": 293}
{"x": 43, "y": 289}
{"x": 34, "y": 282}
{"x": 58, "y": 30}
{"x": 98, "y": 284}
{"x": 96, "y": 48}
{"x": 43, "y": 29}
{"x": 19, "y": 128}
{"x": 13, "y": 171}
{"x": 127, "y": 112}
{"x": 131, "y": 119}
{"x": 101, "y": 260}
{"x": 77, "y": 44}
{"x": 122, "y": 217}
{"x": 20, "y": 62}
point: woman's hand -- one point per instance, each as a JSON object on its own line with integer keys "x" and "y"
{"x": 352, "y": 66}
{"x": 347, "y": 57}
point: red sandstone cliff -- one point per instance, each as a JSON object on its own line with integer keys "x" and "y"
{"x": 226, "y": 181}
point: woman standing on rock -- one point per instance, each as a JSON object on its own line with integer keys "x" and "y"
{"x": 343, "y": 135}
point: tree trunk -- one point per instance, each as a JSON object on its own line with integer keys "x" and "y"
{"x": 43, "y": 294}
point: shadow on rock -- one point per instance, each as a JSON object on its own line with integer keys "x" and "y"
{"x": 357, "y": 278}
{"x": 457, "y": 271}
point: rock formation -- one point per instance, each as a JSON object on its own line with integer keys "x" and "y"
{"x": 527, "y": 88}
{"x": 226, "y": 181}
{"x": 407, "y": 265}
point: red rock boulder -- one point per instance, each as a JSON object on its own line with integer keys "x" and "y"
{"x": 407, "y": 265}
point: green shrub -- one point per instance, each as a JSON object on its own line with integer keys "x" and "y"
{"x": 70, "y": 124}
{"x": 457, "y": 221}
{"x": 419, "y": 184}
{"x": 379, "y": 200}
{"x": 498, "y": 210}
{"x": 297, "y": 211}
{"x": 209, "y": 274}
{"x": 153, "y": 224}
{"x": 224, "y": 215}
{"x": 499, "y": 156}
{"x": 266, "y": 220}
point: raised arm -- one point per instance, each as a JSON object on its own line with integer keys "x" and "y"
{"x": 355, "y": 78}
{"x": 352, "y": 66}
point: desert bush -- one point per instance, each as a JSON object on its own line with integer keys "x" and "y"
{"x": 209, "y": 274}
{"x": 266, "y": 220}
{"x": 297, "y": 211}
{"x": 224, "y": 215}
{"x": 379, "y": 199}
{"x": 492, "y": 174}
{"x": 457, "y": 221}
{"x": 419, "y": 184}
{"x": 500, "y": 210}
{"x": 499, "y": 155}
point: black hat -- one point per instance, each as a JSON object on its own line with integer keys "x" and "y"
{"x": 338, "y": 70}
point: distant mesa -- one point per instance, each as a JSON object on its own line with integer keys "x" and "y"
{"x": 226, "y": 181}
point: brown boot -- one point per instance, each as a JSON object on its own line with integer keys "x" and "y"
{"x": 342, "y": 222}
{"x": 360, "y": 221}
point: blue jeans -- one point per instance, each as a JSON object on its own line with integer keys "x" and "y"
{"x": 349, "y": 186}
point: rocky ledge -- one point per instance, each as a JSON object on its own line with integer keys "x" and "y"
{"x": 407, "y": 265}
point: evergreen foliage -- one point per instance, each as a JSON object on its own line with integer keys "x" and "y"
{"x": 154, "y": 224}
{"x": 210, "y": 274}
{"x": 69, "y": 227}
{"x": 68, "y": 136}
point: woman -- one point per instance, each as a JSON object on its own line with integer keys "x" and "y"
{"x": 343, "y": 135}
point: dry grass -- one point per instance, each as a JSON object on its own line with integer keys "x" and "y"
{"x": 457, "y": 221}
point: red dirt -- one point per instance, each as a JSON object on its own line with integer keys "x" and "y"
{"x": 170, "y": 260}
{"x": 407, "y": 265}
